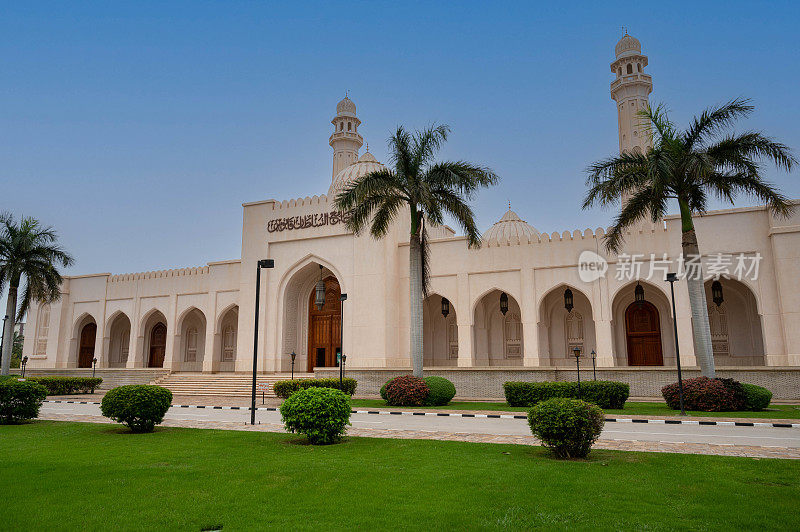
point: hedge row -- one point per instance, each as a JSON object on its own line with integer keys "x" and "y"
{"x": 67, "y": 385}
{"x": 605, "y": 394}
{"x": 284, "y": 389}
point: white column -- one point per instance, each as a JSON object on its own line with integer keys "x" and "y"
{"x": 530, "y": 322}
{"x": 464, "y": 321}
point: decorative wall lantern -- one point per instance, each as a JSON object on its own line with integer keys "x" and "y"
{"x": 445, "y": 307}
{"x": 319, "y": 299}
{"x": 716, "y": 293}
{"x": 568, "y": 300}
{"x": 638, "y": 294}
{"x": 504, "y": 303}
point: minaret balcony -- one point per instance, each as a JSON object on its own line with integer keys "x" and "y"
{"x": 346, "y": 135}
{"x": 631, "y": 78}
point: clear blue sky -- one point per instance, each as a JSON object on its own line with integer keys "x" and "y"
{"x": 138, "y": 129}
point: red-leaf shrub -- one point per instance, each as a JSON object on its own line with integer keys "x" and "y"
{"x": 406, "y": 391}
{"x": 706, "y": 395}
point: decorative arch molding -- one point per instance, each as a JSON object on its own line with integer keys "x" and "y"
{"x": 149, "y": 314}
{"x": 440, "y": 334}
{"x": 498, "y": 338}
{"x": 80, "y": 344}
{"x": 560, "y": 331}
{"x": 479, "y": 299}
{"x": 292, "y": 323}
{"x": 558, "y": 289}
{"x": 149, "y": 320}
{"x": 117, "y": 340}
{"x": 189, "y": 340}
{"x": 621, "y": 299}
{"x": 737, "y": 332}
{"x": 221, "y": 315}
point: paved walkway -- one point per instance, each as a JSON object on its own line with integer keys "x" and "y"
{"x": 696, "y": 439}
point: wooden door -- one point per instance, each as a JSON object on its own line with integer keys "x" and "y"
{"x": 158, "y": 346}
{"x": 324, "y": 327}
{"x": 86, "y": 349}
{"x": 643, "y": 330}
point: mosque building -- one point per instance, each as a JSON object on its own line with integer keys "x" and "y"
{"x": 519, "y": 304}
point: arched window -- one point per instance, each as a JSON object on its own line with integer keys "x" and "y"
{"x": 574, "y": 329}
{"x": 191, "y": 344}
{"x": 639, "y": 67}
{"x": 512, "y": 336}
{"x": 124, "y": 345}
{"x": 619, "y": 71}
{"x": 349, "y": 126}
{"x": 42, "y": 330}
{"x": 341, "y": 126}
{"x": 452, "y": 338}
{"x": 629, "y": 68}
{"x": 718, "y": 321}
{"x": 228, "y": 343}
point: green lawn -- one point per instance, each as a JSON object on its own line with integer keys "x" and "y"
{"x": 631, "y": 408}
{"x": 75, "y": 476}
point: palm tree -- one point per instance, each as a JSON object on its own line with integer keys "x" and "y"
{"x": 29, "y": 251}
{"x": 427, "y": 190}
{"x": 689, "y": 166}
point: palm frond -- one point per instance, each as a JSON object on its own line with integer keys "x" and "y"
{"x": 714, "y": 119}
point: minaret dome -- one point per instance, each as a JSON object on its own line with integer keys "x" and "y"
{"x": 345, "y": 139}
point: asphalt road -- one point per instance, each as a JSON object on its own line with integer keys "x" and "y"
{"x": 660, "y": 432}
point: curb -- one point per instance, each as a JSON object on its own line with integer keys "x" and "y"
{"x": 489, "y": 416}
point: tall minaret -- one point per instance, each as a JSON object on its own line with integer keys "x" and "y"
{"x": 630, "y": 90}
{"x": 345, "y": 139}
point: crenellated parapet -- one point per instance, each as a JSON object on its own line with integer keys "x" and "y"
{"x": 159, "y": 274}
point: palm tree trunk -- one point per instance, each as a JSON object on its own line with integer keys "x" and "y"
{"x": 697, "y": 299}
{"x": 8, "y": 330}
{"x": 415, "y": 282}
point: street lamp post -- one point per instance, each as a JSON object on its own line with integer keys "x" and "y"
{"x": 671, "y": 278}
{"x": 293, "y": 355}
{"x": 576, "y": 351}
{"x": 24, "y": 363}
{"x": 594, "y": 365}
{"x": 263, "y": 263}
{"x": 94, "y": 366}
{"x": 3, "y": 337}
{"x": 344, "y": 361}
{"x": 342, "y": 299}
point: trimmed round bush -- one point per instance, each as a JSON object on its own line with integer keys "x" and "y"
{"x": 383, "y": 389}
{"x": 440, "y": 391}
{"x": 20, "y": 400}
{"x": 757, "y": 397}
{"x": 406, "y": 390}
{"x": 138, "y": 406}
{"x": 568, "y": 427}
{"x": 322, "y": 414}
{"x": 706, "y": 395}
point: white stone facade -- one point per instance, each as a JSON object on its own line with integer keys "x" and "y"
{"x": 202, "y": 319}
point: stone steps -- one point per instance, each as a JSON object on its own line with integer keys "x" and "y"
{"x": 217, "y": 384}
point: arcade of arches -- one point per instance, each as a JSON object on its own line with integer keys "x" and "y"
{"x": 189, "y": 351}
{"x": 642, "y": 329}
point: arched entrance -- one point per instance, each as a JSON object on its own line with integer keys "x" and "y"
{"x": 86, "y": 346}
{"x": 158, "y": 345}
{"x": 440, "y": 332}
{"x": 643, "y": 331}
{"x": 497, "y": 335}
{"x": 324, "y": 327}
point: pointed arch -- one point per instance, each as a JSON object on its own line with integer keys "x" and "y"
{"x": 226, "y": 339}
{"x": 737, "y": 336}
{"x": 629, "y": 326}
{"x": 118, "y": 340}
{"x": 497, "y": 337}
{"x": 560, "y": 330}
{"x": 190, "y": 340}
{"x": 439, "y": 332}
